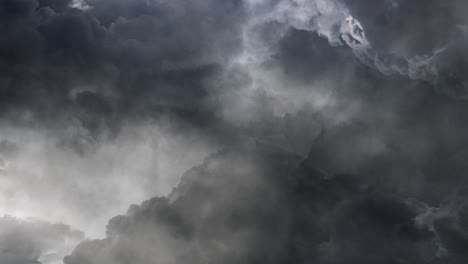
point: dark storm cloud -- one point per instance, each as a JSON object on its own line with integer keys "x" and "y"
{"x": 419, "y": 40}
{"x": 422, "y": 39}
{"x": 404, "y": 131}
{"x": 375, "y": 188}
{"x": 258, "y": 206}
{"x": 341, "y": 147}
{"x": 89, "y": 80}
{"x": 119, "y": 58}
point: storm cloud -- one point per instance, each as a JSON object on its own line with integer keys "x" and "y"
{"x": 242, "y": 131}
{"x": 239, "y": 208}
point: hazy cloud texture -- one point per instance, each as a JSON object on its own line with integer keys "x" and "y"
{"x": 306, "y": 131}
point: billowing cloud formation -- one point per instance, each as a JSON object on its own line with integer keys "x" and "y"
{"x": 424, "y": 40}
{"x": 421, "y": 40}
{"x": 80, "y": 85}
{"x": 342, "y": 124}
{"x": 116, "y": 59}
{"x": 259, "y": 206}
{"x": 39, "y": 171}
{"x": 103, "y": 61}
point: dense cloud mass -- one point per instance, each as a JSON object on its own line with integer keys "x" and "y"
{"x": 261, "y": 206}
{"x": 306, "y": 131}
{"x": 119, "y": 58}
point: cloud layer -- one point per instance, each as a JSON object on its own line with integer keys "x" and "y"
{"x": 239, "y": 208}
{"x": 324, "y": 131}
{"x": 33, "y": 241}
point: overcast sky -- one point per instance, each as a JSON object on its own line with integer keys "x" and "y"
{"x": 233, "y": 131}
